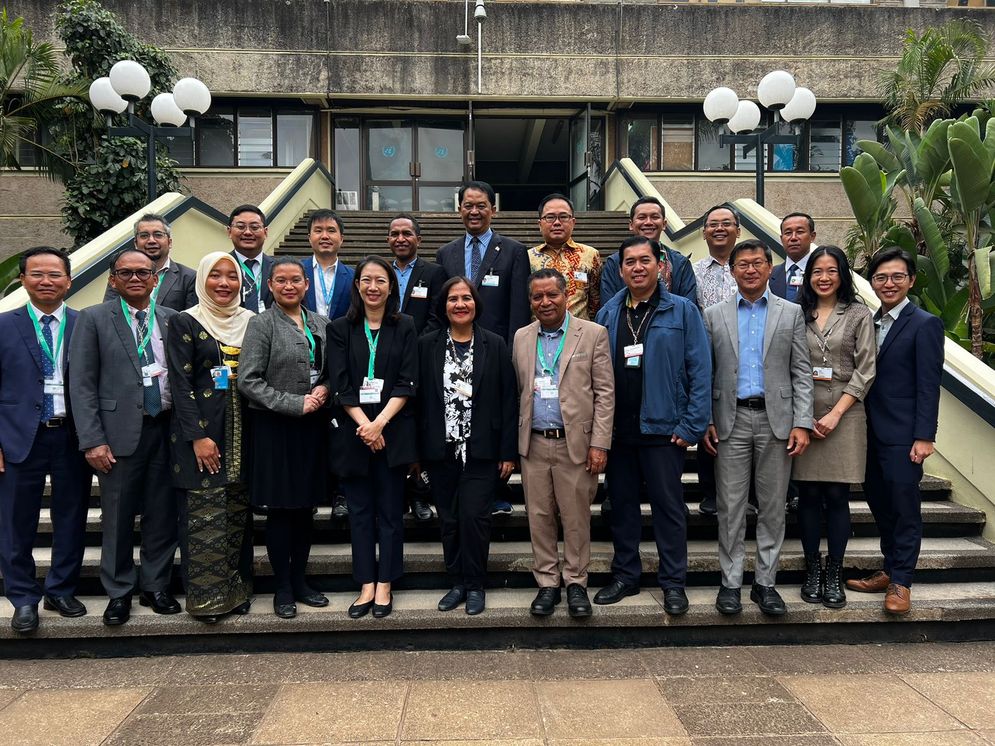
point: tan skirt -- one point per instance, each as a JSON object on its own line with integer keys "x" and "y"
{"x": 840, "y": 457}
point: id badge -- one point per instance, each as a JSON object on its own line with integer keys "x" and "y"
{"x": 549, "y": 392}
{"x": 491, "y": 281}
{"x": 796, "y": 280}
{"x": 464, "y": 389}
{"x": 221, "y": 374}
{"x": 635, "y": 351}
{"x": 419, "y": 291}
{"x": 151, "y": 371}
{"x": 633, "y": 362}
{"x": 314, "y": 377}
{"x": 53, "y": 388}
{"x": 373, "y": 383}
{"x": 822, "y": 374}
{"x": 369, "y": 395}
{"x": 580, "y": 276}
{"x": 543, "y": 382}
{"x": 262, "y": 305}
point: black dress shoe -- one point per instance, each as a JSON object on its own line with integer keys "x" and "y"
{"x": 474, "y": 602}
{"x": 118, "y": 611}
{"x": 727, "y": 602}
{"x": 768, "y": 599}
{"x": 243, "y": 608}
{"x": 578, "y": 604}
{"x": 25, "y": 619}
{"x": 382, "y": 610}
{"x": 792, "y": 505}
{"x": 707, "y": 506}
{"x": 360, "y": 610}
{"x": 453, "y": 599}
{"x": 615, "y": 592}
{"x": 421, "y": 510}
{"x": 312, "y": 598}
{"x": 340, "y": 511}
{"x": 284, "y": 610}
{"x": 209, "y": 618}
{"x": 160, "y": 601}
{"x": 68, "y": 606}
{"x": 675, "y": 601}
{"x": 545, "y": 601}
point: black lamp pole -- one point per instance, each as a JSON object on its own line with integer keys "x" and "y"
{"x": 150, "y": 133}
{"x": 755, "y": 141}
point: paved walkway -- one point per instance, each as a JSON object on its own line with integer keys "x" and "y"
{"x": 932, "y": 694}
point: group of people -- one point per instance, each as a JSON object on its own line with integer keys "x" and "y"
{"x": 262, "y": 385}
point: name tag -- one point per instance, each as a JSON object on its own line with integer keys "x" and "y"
{"x": 221, "y": 374}
{"x": 53, "y": 388}
{"x": 633, "y": 351}
{"x": 419, "y": 291}
{"x": 153, "y": 370}
{"x": 491, "y": 281}
{"x": 314, "y": 377}
{"x": 463, "y": 389}
{"x": 369, "y": 392}
{"x": 262, "y": 306}
{"x": 549, "y": 392}
{"x": 822, "y": 374}
{"x": 796, "y": 281}
{"x": 580, "y": 276}
{"x": 543, "y": 382}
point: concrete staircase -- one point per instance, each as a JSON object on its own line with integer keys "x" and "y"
{"x": 954, "y": 597}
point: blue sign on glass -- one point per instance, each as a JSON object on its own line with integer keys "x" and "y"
{"x": 389, "y": 151}
{"x": 441, "y": 152}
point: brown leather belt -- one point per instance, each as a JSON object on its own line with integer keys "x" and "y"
{"x": 554, "y": 433}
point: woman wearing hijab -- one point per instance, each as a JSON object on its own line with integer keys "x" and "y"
{"x": 202, "y": 348}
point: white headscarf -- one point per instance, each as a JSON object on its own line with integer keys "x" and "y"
{"x": 225, "y": 323}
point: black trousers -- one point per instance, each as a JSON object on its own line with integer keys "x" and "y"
{"x": 463, "y": 496}
{"x": 706, "y": 472}
{"x": 829, "y": 500}
{"x": 891, "y": 482}
{"x": 376, "y": 513}
{"x": 54, "y": 452}
{"x": 288, "y": 544}
{"x": 660, "y": 468}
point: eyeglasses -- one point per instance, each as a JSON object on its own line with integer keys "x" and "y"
{"x": 897, "y": 278}
{"x": 561, "y": 217}
{"x": 157, "y": 235}
{"x": 39, "y": 276}
{"x": 717, "y": 224}
{"x": 825, "y": 272}
{"x": 758, "y": 265}
{"x": 254, "y": 227}
{"x": 127, "y": 274}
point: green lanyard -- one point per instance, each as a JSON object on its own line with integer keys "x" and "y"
{"x": 155, "y": 291}
{"x": 148, "y": 332}
{"x": 559, "y": 350}
{"x": 309, "y": 335}
{"x": 248, "y": 272}
{"x": 373, "y": 348}
{"x": 49, "y": 353}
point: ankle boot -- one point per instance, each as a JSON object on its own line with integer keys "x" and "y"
{"x": 834, "y": 597}
{"x": 812, "y": 588}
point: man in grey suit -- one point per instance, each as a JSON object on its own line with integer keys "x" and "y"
{"x": 761, "y": 415}
{"x": 177, "y": 285}
{"x": 121, "y": 404}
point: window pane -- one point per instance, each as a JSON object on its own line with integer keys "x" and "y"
{"x": 857, "y": 130}
{"x": 437, "y": 199}
{"x": 824, "y": 150}
{"x": 677, "y": 146}
{"x": 440, "y": 151}
{"x": 785, "y": 157}
{"x": 389, "y": 198}
{"x": 640, "y": 143}
{"x": 180, "y": 149}
{"x": 255, "y": 137}
{"x": 389, "y": 151}
{"x": 710, "y": 156}
{"x": 216, "y": 139}
{"x": 346, "y": 164}
{"x": 294, "y": 138}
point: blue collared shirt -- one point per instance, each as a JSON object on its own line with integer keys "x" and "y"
{"x": 752, "y": 320}
{"x": 485, "y": 239}
{"x": 403, "y": 275}
{"x": 546, "y": 412}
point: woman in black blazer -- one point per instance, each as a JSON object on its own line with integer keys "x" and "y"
{"x": 373, "y": 371}
{"x": 467, "y": 415}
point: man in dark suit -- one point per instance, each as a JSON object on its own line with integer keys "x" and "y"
{"x": 329, "y": 280}
{"x": 247, "y": 231}
{"x": 797, "y": 235}
{"x": 419, "y": 280}
{"x": 177, "y": 286}
{"x": 121, "y": 404}
{"x": 37, "y": 438}
{"x": 902, "y": 412}
{"x": 497, "y": 265}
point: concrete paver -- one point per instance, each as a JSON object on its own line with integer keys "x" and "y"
{"x": 969, "y": 697}
{"x": 606, "y": 709}
{"x": 67, "y": 717}
{"x": 753, "y": 718}
{"x": 471, "y": 710}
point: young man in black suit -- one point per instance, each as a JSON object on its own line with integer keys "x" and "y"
{"x": 247, "y": 231}
{"x": 419, "y": 280}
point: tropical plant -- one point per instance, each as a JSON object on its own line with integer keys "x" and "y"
{"x": 871, "y": 194}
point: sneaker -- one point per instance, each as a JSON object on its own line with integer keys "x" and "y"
{"x": 501, "y": 508}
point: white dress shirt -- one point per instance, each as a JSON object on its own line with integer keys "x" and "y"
{"x": 158, "y": 352}
{"x": 58, "y": 376}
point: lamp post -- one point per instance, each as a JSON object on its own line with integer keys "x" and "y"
{"x": 128, "y": 83}
{"x": 777, "y": 91}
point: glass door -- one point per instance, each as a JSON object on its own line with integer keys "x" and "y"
{"x": 586, "y": 159}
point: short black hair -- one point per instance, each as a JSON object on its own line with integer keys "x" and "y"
{"x": 723, "y": 206}
{"x": 406, "y": 216}
{"x": 480, "y": 186}
{"x": 888, "y": 254}
{"x": 440, "y": 302}
{"x": 811, "y": 222}
{"x": 124, "y": 252}
{"x": 647, "y": 201}
{"x": 246, "y": 208}
{"x": 154, "y": 217}
{"x": 42, "y": 251}
{"x": 550, "y": 197}
{"x": 548, "y": 273}
{"x": 317, "y": 215}
{"x": 283, "y": 261}
{"x": 656, "y": 246}
{"x": 751, "y": 244}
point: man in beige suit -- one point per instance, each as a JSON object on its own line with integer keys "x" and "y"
{"x": 566, "y": 406}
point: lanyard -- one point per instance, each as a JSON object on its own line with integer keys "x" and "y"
{"x": 142, "y": 344}
{"x": 309, "y": 335}
{"x": 822, "y": 338}
{"x": 628, "y": 321}
{"x": 373, "y": 348}
{"x": 325, "y": 291}
{"x": 248, "y": 272}
{"x": 49, "y": 353}
{"x": 559, "y": 350}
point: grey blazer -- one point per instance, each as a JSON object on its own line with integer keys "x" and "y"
{"x": 106, "y": 386}
{"x": 273, "y": 368}
{"x": 787, "y": 370}
{"x": 178, "y": 288}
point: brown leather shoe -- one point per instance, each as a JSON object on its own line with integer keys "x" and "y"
{"x": 877, "y": 582}
{"x": 898, "y": 599}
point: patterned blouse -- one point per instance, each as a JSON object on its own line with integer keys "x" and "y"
{"x": 580, "y": 264}
{"x": 457, "y": 380}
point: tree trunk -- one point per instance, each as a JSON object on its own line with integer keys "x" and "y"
{"x": 974, "y": 312}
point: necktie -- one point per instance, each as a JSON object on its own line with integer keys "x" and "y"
{"x": 152, "y": 395}
{"x": 48, "y": 368}
{"x": 251, "y": 289}
{"x": 791, "y": 290}
{"x": 474, "y": 258}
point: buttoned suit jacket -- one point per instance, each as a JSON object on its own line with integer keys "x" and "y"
{"x": 422, "y": 310}
{"x": 778, "y": 282}
{"x": 106, "y": 386}
{"x": 177, "y": 288}
{"x": 587, "y": 386}
{"x": 788, "y": 388}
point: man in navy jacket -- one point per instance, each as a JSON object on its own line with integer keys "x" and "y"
{"x": 329, "y": 278}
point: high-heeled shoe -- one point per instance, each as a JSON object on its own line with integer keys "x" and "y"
{"x": 382, "y": 610}
{"x": 358, "y": 610}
